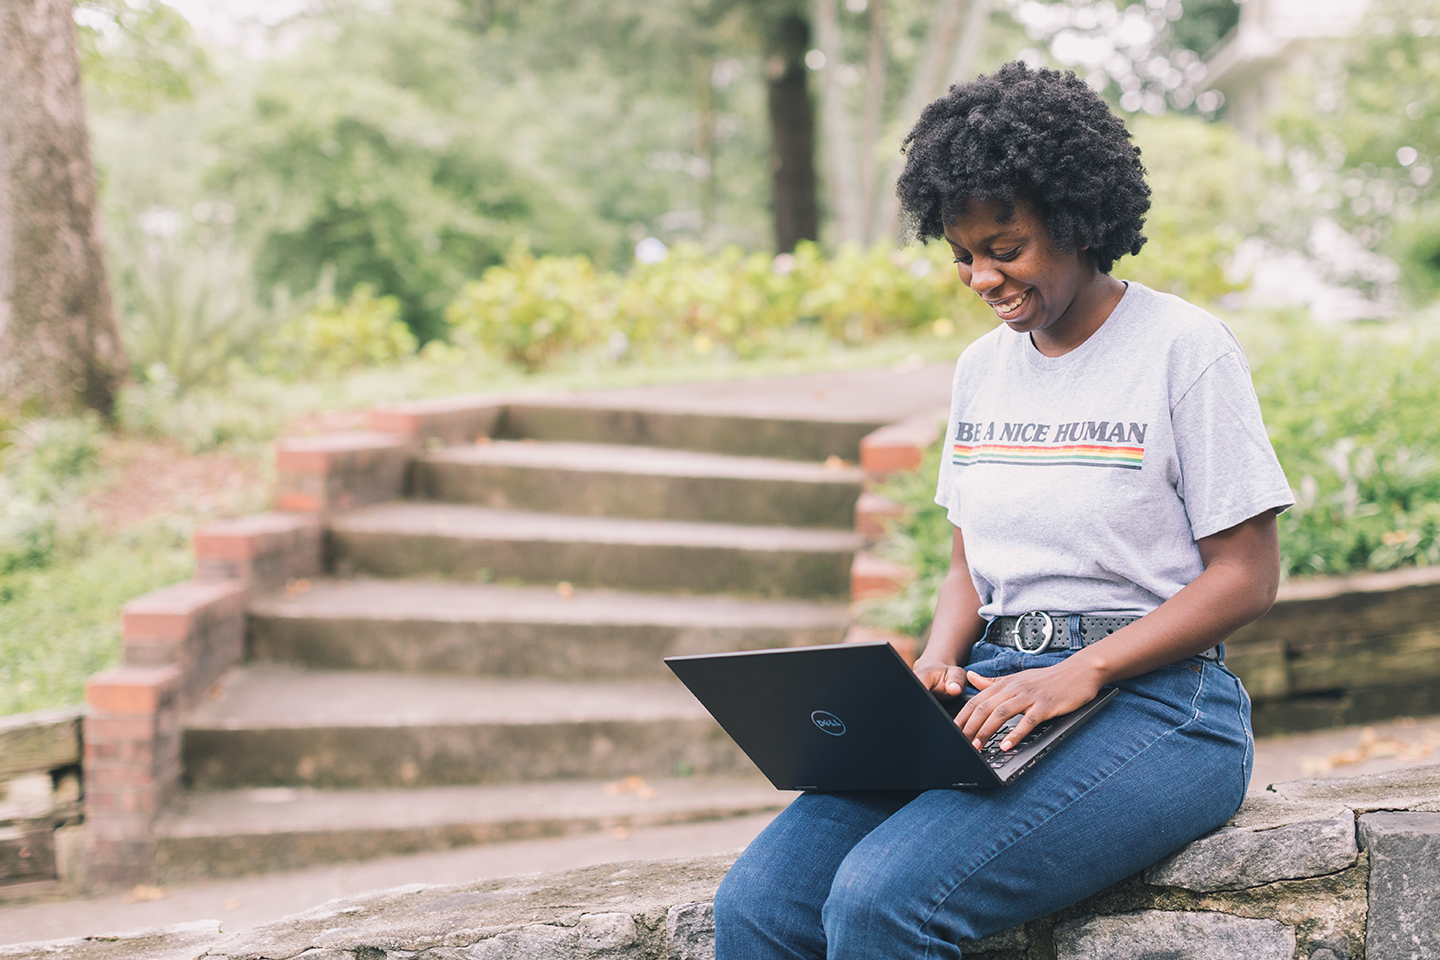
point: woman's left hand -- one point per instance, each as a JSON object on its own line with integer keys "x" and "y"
{"x": 1038, "y": 694}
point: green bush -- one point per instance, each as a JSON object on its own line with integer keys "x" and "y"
{"x": 531, "y": 309}
{"x": 45, "y": 464}
{"x": 332, "y": 338}
{"x": 534, "y": 310}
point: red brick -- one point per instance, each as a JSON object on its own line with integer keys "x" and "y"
{"x": 872, "y": 512}
{"x": 900, "y": 446}
{"x": 872, "y": 577}
{"x": 112, "y": 729}
{"x": 907, "y": 647}
{"x": 131, "y": 691}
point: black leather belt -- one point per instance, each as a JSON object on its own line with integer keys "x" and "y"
{"x": 1039, "y": 631}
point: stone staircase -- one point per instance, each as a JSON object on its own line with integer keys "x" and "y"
{"x": 481, "y": 659}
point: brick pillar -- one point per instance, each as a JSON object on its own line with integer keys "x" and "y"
{"x": 132, "y": 768}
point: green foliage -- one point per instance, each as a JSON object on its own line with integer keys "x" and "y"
{"x": 333, "y": 337}
{"x": 187, "y": 304}
{"x": 1205, "y": 181}
{"x": 921, "y": 541}
{"x": 533, "y": 310}
{"x": 60, "y": 623}
{"x": 45, "y": 464}
{"x": 1364, "y": 140}
{"x": 1351, "y": 414}
{"x": 530, "y": 310}
{"x": 138, "y": 54}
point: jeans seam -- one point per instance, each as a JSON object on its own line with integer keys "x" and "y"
{"x": 1073, "y": 800}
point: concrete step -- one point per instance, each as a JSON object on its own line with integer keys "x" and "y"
{"x": 619, "y": 420}
{"x": 592, "y": 479}
{"x": 501, "y": 630}
{"x": 463, "y": 542}
{"x": 272, "y": 725}
{"x": 235, "y": 832}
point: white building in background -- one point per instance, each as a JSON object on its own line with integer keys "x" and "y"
{"x": 1275, "y": 42}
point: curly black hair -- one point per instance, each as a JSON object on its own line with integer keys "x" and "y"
{"x": 1039, "y": 136}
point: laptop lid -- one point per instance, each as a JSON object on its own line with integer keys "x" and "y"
{"x": 848, "y": 717}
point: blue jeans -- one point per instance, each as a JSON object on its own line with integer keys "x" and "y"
{"x": 907, "y": 875}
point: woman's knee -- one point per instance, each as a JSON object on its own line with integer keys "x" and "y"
{"x": 873, "y": 895}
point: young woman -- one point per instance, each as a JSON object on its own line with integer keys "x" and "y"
{"x": 1114, "y": 497}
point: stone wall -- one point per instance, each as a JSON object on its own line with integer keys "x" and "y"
{"x": 1311, "y": 870}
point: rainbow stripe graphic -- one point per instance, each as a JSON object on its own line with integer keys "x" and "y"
{"x": 1068, "y": 455}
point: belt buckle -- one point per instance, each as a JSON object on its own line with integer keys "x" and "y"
{"x": 1047, "y": 632}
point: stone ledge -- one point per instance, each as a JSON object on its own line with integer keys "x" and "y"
{"x": 661, "y": 910}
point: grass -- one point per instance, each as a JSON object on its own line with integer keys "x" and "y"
{"x": 60, "y": 623}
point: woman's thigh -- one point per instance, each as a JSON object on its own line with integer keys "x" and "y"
{"x": 768, "y": 905}
{"x": 1167, "y": 761}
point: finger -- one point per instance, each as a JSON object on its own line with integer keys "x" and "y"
{"x": 980, "y": 682}
{"x": 994, "y": 721}
{"x": 954, "y": 681}
{"x": 1019, "y": 732}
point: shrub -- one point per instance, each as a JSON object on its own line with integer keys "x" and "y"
{"x": 332, "y": 338}
{"x": 532, "y": 311}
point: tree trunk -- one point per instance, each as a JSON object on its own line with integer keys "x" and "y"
{"x": 792, "y": 132}
{"x": 60, "y": 350}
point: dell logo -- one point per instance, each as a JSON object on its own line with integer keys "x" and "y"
{"x": 828, "y": 723}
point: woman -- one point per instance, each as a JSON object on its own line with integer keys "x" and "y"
{"x": 1114, "y": 499}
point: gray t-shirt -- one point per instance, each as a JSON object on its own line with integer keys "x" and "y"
{"x": 1083, "y": 482}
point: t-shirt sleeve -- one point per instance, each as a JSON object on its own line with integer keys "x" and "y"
{"x": 1228, "y": 469}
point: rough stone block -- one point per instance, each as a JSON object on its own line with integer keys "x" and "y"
{"x": 183, "y": 941}
{"x": 1404, "y": 922}
{"x": 1233, "y": 858}
{"x": 690, "y": 931}
{"x": 1151, "y": 934}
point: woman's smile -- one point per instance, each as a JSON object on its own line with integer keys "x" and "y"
{"x": 1005, "y": 253}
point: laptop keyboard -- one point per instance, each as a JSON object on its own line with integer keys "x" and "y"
{"x": 996, "y": 757}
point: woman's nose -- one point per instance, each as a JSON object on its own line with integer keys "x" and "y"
{"x": 984, "y": 276}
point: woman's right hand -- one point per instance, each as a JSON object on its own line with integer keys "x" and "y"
{"x": 945, "y": 680}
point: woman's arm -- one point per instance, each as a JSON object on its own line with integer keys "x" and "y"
{"x": 956, "y": 628}
{"x": 1242, "y": 573}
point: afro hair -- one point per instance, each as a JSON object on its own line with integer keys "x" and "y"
{"x": 1038, "y": 136}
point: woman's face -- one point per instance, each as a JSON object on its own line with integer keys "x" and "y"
{"x": 1058, "y": 298}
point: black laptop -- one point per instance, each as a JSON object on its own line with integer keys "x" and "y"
{"x": 853, "y": 716}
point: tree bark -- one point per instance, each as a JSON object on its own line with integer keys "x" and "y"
{"x": 60, "y": 349}
{"x": 792, "y": 133}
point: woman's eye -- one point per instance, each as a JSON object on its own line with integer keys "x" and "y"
{"x": 961, "y": 260}
{"x": 1010, "y": 255}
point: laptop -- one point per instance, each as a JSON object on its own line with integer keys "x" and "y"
{"x": 853, "y": 716}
